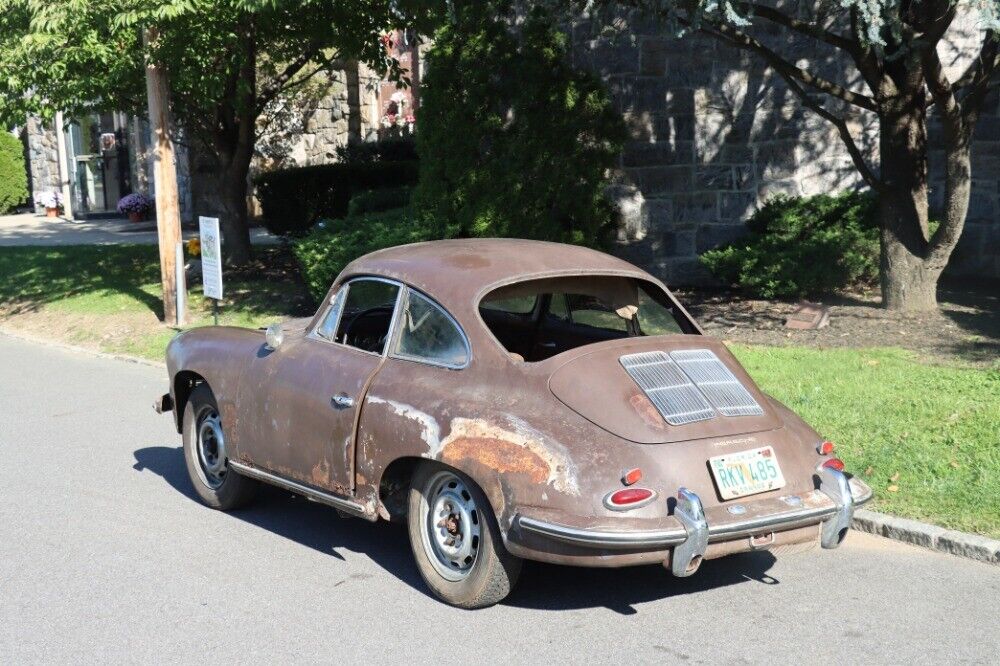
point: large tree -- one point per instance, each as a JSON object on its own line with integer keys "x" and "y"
{"x": 892, "y": 54}
{"x": 229, "y": 62}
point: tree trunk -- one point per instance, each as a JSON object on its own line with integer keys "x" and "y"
{"x": 908, "y": 283}
{"x": 234, "y": 222}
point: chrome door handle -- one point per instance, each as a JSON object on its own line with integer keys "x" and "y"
{"x": 547, "y": 345}
{"x": 342, "y": 400}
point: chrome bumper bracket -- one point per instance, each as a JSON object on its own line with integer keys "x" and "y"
{"x": 837, "y": 487}
{"x": 686, "y": 557}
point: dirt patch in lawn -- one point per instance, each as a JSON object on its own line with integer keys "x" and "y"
{"x": 966, "y": 328}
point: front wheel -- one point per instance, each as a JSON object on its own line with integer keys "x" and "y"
{"x": 206, "y": 455}
{"x": 456, "y": 539}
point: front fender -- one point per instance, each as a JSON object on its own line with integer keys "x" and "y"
{"x": 217, "y": 355}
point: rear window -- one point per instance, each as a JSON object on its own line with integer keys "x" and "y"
{"x": 537, "y": 319}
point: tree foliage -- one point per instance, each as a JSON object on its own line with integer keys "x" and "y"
{"x": 513, "y": 140}
{"x": 231, "y": 64}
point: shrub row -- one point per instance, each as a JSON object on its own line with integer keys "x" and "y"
{"x": 803, "y": 245}
{"x": 374, "y": 201}
{"x": 332, "y": 244}
{"x": 13, "y": 176}
{"x": 293, "y": 200}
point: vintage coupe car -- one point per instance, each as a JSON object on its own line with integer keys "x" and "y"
{"x": 509, "y": 400}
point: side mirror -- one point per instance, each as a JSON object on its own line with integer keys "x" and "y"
{"x": 274, "y": 336}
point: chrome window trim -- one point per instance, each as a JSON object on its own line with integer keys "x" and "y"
{"x": 398, "y": 331}
{"x": 314, "y": 335}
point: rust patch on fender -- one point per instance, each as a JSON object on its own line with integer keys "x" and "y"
{"x": 647, "y": 410}
{"x": 498, "y": 454}
{"x": 519, "y": 450}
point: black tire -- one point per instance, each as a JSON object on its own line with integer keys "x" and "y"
{"x": 226, "y": 490}
{"x": 491, "y": 573}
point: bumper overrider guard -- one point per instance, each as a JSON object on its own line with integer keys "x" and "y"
{"x": 692, "y": 537}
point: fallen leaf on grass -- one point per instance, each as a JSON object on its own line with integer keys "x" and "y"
{"x": 872, "y": 362}
{"x": 893, "y": 489}
{"x": 869, "y": 471}
{"x": 954, "y": 464}
{"x": 894, "y": 477}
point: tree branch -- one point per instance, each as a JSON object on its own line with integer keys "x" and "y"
{"x": 985, "y": 67}
{"x": 788, "y": 70}
{"x": 803, "y": 27}
{"x": 276, "y": 85}
{"x": 845, "y": 135}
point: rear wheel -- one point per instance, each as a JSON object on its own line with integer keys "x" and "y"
{"x": 456, "y": 539}
{"x": 205, "y": 455}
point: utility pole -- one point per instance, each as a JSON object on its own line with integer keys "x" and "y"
{"x": 168, "y": 215}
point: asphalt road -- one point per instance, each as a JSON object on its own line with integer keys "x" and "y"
{"x": 106, "y": 557}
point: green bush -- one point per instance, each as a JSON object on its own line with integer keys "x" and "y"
{"x": 333, "y": 244}
{"x": 803, "y": 245}
{"x": 374, "y": 201}
{"x": 13, "y": 177}
{"x": 514, "y": 141}
{"x": 293, "y": 200}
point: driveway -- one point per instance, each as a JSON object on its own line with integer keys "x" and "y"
{"x": 105, "y": 556}
{"x": 30, "y": 229}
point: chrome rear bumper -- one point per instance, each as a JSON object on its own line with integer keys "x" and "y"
{"x": 694, "y": 531}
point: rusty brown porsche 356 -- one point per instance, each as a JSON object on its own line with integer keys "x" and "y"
{"x": 508, "y": 399}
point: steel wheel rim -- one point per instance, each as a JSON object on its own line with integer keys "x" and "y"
{"x": 451, "y": 526}
{"x": 211, "y": 448}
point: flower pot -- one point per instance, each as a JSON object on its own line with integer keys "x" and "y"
{"x": 51, "y": 212}
{"x": 136, "y": 217}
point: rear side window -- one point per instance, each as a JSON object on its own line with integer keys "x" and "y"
{"x": 427, "y": 333}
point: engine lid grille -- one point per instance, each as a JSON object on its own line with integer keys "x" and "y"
{"x": 668, "y": 388}
{"x": 689, "y": 385}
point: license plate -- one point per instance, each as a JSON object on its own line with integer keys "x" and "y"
{"x": 747, "y": 472}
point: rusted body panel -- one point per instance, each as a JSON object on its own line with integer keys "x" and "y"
{"x": 546, "y": 440}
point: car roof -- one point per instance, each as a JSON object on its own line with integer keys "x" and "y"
{"x": 457, "y": 272}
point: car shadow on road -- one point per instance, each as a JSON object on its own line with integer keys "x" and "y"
{"x": 542, "y": 586}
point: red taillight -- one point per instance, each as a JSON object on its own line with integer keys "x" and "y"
{"x": 835, "y": 463}
{"x": 632, "y": 476}
{"x": 629, "y": 498}
{"x": 825, "y": 449}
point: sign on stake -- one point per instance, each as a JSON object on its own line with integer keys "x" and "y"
{"x": 211, "y": 261}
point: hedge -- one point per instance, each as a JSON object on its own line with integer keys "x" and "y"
{"x": 293, "y": 200}
{"x": 13, "y": 176}
{"x": 374, "y": 201}
{"x": 332, "y": 244}
{"x": 799, "y": 246}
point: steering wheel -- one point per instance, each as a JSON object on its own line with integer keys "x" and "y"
{"x": 368, "y": 343}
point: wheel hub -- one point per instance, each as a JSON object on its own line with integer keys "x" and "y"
{"x": 452, "y": 527}
{"x": 212, "y": 449}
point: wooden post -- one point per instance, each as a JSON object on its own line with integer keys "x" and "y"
{"x": 168, "y": 214}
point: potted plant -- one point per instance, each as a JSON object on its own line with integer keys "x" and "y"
{"x": 135, "y": 205}
{"x": 51, "y": 201}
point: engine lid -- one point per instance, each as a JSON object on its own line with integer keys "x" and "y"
{"x": 664, "y": 389}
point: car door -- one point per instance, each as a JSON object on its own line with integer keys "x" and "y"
{"x": 307, "y": 392}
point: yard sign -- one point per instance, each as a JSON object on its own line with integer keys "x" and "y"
{"x": 211, "y": 257}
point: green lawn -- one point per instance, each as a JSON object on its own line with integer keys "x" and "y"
{"x": 108, "y": 297}
{"x": 925, "y": 437}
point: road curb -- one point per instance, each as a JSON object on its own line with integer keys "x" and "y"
{"x": 48, "y": 342}
{"x": 970, "y": 546}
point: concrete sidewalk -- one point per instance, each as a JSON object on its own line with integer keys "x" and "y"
{"x": 31, "y": 229}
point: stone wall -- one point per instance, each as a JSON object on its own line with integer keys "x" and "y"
{"x": 43, "y": 157}
{"x": 713, "y": 133}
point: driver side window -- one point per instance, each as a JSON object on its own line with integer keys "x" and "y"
{"x": 367, "y": 314}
